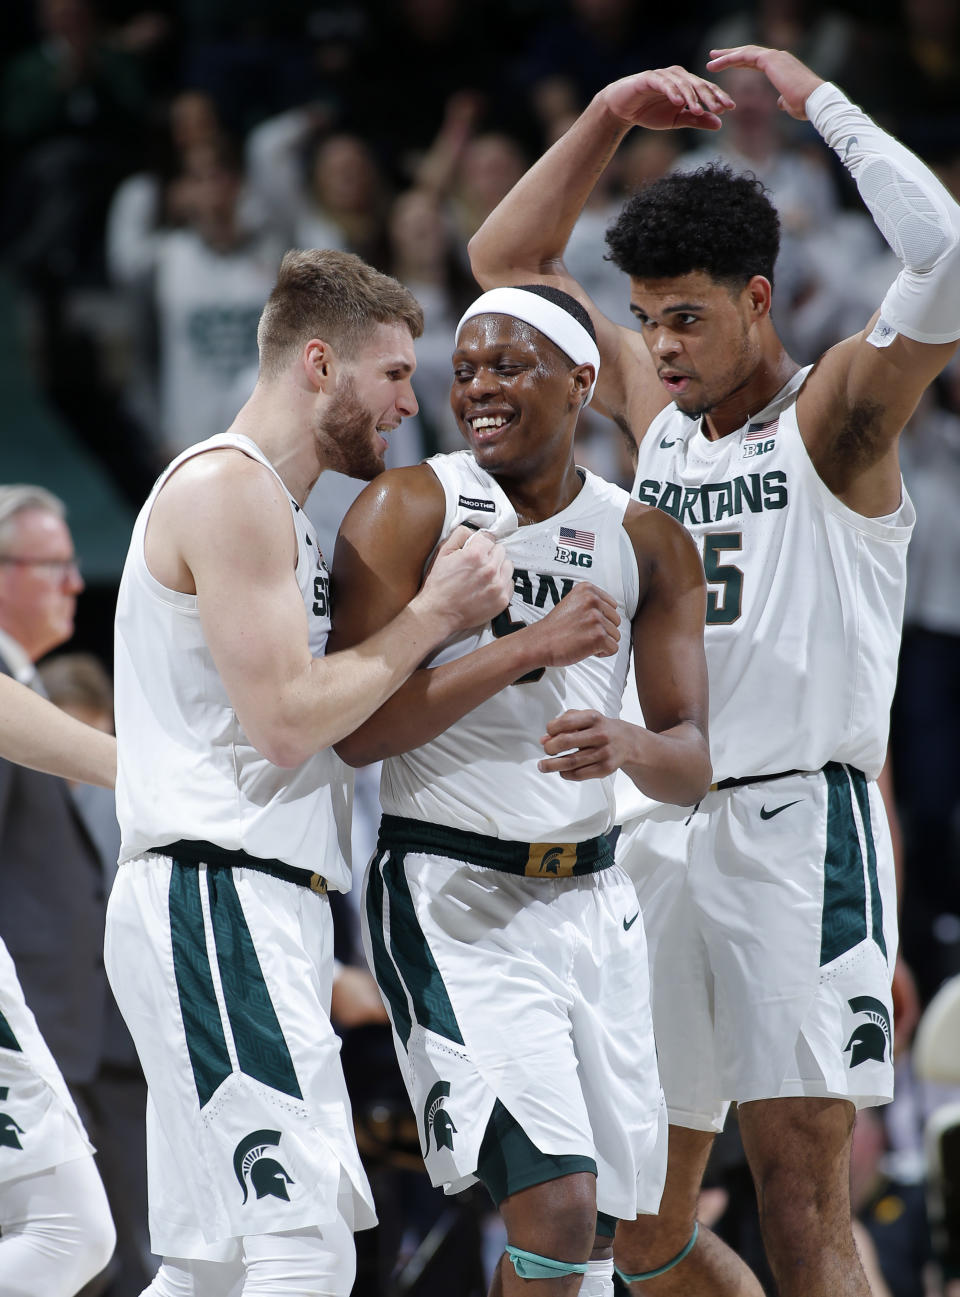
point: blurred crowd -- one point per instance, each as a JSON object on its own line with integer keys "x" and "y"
{"x": 156, "y": 163}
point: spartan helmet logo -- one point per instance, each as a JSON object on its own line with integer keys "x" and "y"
{"x": 871, "y": 1039}
{"x": 267, "y": 1176}
{"x": 437, "y": 1119}
{"x": 550, "y": 862}
{"x": 9, "y": 1130}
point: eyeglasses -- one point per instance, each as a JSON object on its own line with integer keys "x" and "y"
{"x": 59, "y": 566}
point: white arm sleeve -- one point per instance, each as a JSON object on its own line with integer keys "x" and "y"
{"x": 914, "y": 212}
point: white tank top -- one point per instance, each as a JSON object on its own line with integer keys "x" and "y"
{"x": 805, "y": 596}
{"x": 481, "y": 774}
{"x": 186, "y": 769}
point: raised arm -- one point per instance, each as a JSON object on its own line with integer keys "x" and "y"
{"x": 669, "y": 759}
{"x": 862, "y": 392}
{"x": 384, "y": 544}
{"x": 523, "y": 239}
{"x": 234, "y": 537}
{"x": 34, "y": 733}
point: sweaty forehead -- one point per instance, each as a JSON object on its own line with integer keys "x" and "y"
{"x": 497, "y": 330}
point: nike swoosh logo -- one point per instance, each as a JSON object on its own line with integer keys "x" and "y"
{"x": 628, "y": 923}
{"x": 768, "y": 815}
{"x": 665, "y": 445}
{"x": 850, "y": 143}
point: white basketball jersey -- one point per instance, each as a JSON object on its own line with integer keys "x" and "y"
{"x": 805, "y": 596}
{"x": 186, "y": 769}
{"x": 481, "y": 774}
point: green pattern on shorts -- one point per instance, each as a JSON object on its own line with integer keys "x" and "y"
{"x": 257, "y": 1036}
{"x": 844, "y": 920}
{"x": 7, "y": 1039}
{"x": 876, "y": 901}
{"x": 414, "y": 959}
{"x": 509, "y": 1160}
{"x": 386, "y": 974}
{"x": 206, "y": 1043}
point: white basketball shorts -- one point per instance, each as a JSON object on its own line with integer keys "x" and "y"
{"x": 771, "y": 916}
{"x": 39, "y": 1124}
{"x": 518, "y": 993}
{"x": 223, "y": 976}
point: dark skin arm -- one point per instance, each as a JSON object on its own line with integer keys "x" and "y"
{"x": 523, "y": 239}
{"x": 670, "y": 758}
{"x": 856, "y": 401}
{"x": 384, "y": 544}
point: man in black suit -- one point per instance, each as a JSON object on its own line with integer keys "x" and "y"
{"x": 52, "y": 895}
{"x": 51, "y": 881}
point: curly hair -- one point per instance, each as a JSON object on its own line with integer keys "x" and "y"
{"x": 712, "y": 220}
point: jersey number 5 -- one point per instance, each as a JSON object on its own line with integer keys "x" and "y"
{"x": 724, "y": 605}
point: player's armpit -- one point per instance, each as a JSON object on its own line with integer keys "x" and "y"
{"x": 853, "y": 407}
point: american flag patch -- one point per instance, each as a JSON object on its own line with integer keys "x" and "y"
{"x": 760, "y": 431}
{"x": 581, "y": 539}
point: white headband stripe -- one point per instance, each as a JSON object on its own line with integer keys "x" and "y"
{"x": 552, "y": 320}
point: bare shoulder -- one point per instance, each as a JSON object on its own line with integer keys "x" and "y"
{"x": 219, "y": 486}
{"x": 410, "y": 499}
{"x": 220, "y": 505}
{"x": 658, "y": 539}
{"x": 382, "y": 548}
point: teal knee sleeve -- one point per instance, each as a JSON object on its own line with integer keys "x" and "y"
{"x": 530, "y": 1265}
{"x": 655, "y": 1274}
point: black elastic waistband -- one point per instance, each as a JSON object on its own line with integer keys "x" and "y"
{"x": 781, "y": 774}
{"x": 528, "y": 859}
{"x": 214, "y": 857}
{"x": 754, "y": 779}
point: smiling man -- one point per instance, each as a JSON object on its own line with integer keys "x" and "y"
{"x": 505, "y": 940}
{"x": 769, "y": 904}
{"x": 233, "y": 808}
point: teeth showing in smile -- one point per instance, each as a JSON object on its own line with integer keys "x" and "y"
{"x": 487, "y": 421}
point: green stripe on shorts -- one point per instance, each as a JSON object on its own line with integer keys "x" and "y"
{"x": 7, "y": 1039}
{"x": 386, "y": 974}
{"x": 257, "y": 1036}
{"x": 414, "y": 959}
{"x": 844, "y": 923}
{"x": 206, "y": 1043}
{"x": 876, "y": 901}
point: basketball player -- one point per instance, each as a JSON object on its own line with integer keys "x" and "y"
{"x": 56, "y": 1232}
{"x": 233, "y": 808}
{"x": 770, "y": 902}
{"x": 507, "y": 944}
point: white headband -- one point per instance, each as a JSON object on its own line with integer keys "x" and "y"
{"x": 552, "y": 320}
